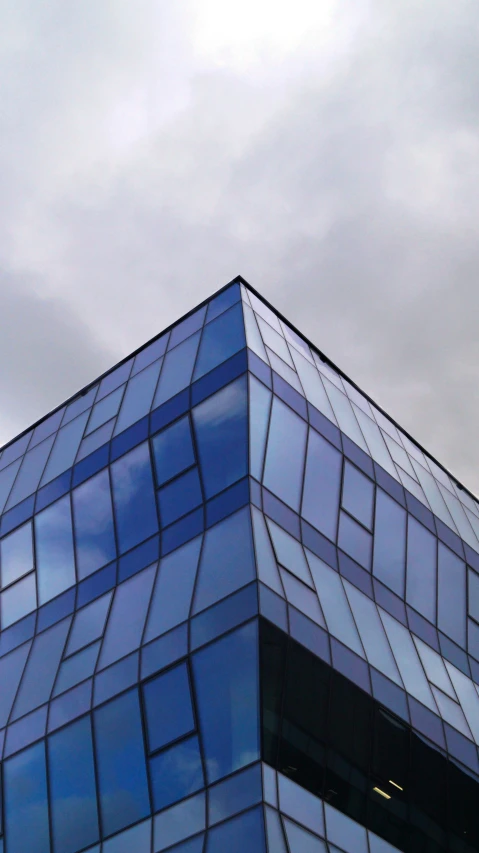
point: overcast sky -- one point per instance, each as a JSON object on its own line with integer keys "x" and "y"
{"x": 326, "y": 151}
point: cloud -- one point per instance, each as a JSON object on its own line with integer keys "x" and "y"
{"x": 150, "y": 158}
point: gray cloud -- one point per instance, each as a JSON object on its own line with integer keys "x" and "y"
{"x": 346, "y": 192}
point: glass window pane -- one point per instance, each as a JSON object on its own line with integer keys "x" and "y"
{"x": 174, "y": 586}
{"x": 65, "y": 448}
{"x": 134, "y": 497}
{"x": 334, "y": 604}
{"x": 54, "y": 549}
{"x": 138, "y": 397}
{"x": 408, "y": 660}
{"x": 355, "y": 540}
{"x": 26, "y": 802}
{"x": 358, "y": 495}
{"x": 18, "y": 600}
{"x": 11, "y": 670}
{"x": 175, "y": 773}
{"x": 177, "y": 369}
{"x": 72, "y": 788}
{"x": 179, "y": 822}
{"x": 274, "y": 341}
{"x": 76, "y": 668}
{"x": 421, "y": 569}
{"x": 121, "y": 766}
{"x": 223, "y": 301}
{"x": 88, "y": 623}
{"x": 473, "y": 594}
{"x": 313, "y": 386}
{"x": 186, "y": 328}
{"x": 289, "y": 552}
{"x": 30, "y": 472}
{"x": 105, "y": 409}
{"x": 265, "y": 558}
{"x": 451, "y": 604}
{"x": 245, "y": 832}
{"x": 221, "y": 339}
{"x": 345, "y": 415}
{"x": 150, "y": 354}
{"x": 221, "y": 427}
{"x": 180, "y": 497}
{"x": 7, "y": 477}
{"x": 372, "y": 634}
{"x": 227, "y": 560}
{"x": 81, "y": 404}
{"x": 283, "y": 472}
{"x": 95, "y": 440}
{"x": 253, "y": 337}
{"x": 16, "y": 554}
{"x": 41, "y": 669}
{"x": 259, "y": 409}
{"x": 228, "y": 701}
{"x": 93, "y": 521}
{"x": 169, "y": 711}
{"x": 301, "y": 841}
{"x": 173, "y": 450}
{"x": 127, "y": 617}
{"x": 322, "y": 483}
{"x": 389, "y": 542}
{"x": 114, "y": 379}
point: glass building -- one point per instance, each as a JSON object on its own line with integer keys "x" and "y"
{"x": 239, "y": 610}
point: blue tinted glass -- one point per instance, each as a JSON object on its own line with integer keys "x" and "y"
{"x": 389, "y": 542}
{"x": 113, "y": 680}
{"x": 134, "y": 497}
{"x": 228, "y": 701}
{"x": 93, "y": 442}
{"x": 72, "y": 788}
{"x": 227, "y": 560}
{"x": 259, "y": 408}
{"x": 18, "y": 600}
{"x": 179, "y": 497}
{"x": 173, "y": 450}
{"x": 88, "y": 623}
{"x": 173, "y": 590}
{"x": 121, "y": 763}
{"x": 93, "y": 521}
{"x": 81, "y": 404}
{"x": 150, "y": 354}
{"x": 76, "y": 668}
{"x": 26, "y": 804}
{"x": 169, "y": 713}
{"x": 358, "y": 495}
{"x": 235, "y": 794}
{"x": 186, "y": 328}
{"x": 6, "y": 481}
{"x": 11, "y": 669}
{"x": 283, "y": 472}
{"x": 65, "y": 448}
{"x": 138, "y": 397}
{"x": 221, "y": 427}
{"x": 421, "y": 569}
{"x": 177, "y": 369}
{"x": 164, "y": 651}
{"x": 245, "y": 832}
{"x": 105, "y": 410}
{"x": 473, "y": 596}
{"x": 223, "y": 301}
{"x": 26, "y": 731}
{"x": 322, "y": 483}
{"x": 30, "y": 472}
{"x": 16, "y": 554}
{"x": 221, "y": 339}
{"x": 114, "y": 379}
{"x": 40, "y": 672}
{"x": 127, "y": 617}
{"x": 175, "y": 773}
{"x": 451, "y": 595}
{"x": 226, "y": 614}
{"x": 355, "y": 540}
{"x": 54, "y": 549}
{"x": 14, "y": 450}
{"x": 46, "y": 427}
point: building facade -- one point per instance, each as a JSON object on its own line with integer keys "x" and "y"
{"x": 239, "y": 611}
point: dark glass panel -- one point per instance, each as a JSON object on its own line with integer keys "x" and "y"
{"x": 72, "y": 788}
{"x": 16, "y": 554}
{"x": 180, "y": 497}
{"x": 175, "y": 773}
{"x": 221, "y": 339}
{"x": 121, "y": 765}
{"x": 169, "y": 711}
{"x": 26, "y": 802}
